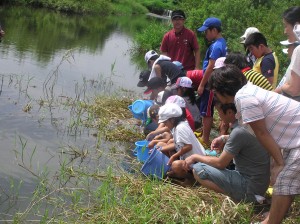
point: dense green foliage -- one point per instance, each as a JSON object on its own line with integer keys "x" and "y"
{"x": 236, "y": 16}
{"x": 105, "y": 7}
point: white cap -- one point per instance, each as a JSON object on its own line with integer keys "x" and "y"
{"x": 149, "y": 55}
{"x": 168, "y": 111}
{"x": 159, "y": 97}
{"x": 219, "y": 62}
{"x": 183, "y": 82}
{"x": 285, "y": 50}
{"x": 287, "y": 42}
{"x": 248, "y": 31}
{"x": 177, "y": 100}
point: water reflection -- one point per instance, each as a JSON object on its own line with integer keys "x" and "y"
{"x": 34, "y": 48}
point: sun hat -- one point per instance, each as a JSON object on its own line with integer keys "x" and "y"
{"x": 288, "y": 43}
{"x": 210, "y": 22}
{"x": 178, "y": 14}
{"x": 149, "y": 55}
{"x": 143, "y": 78}
{"x": 168, "y": 111}
{"x": 177, "y": 100}
{"x": 178, "y": 64}
{"x": 248, "y": 31}
{"x": 155, "y": 83}
{"x": 183, "y": 82}
{"x": 219, "y": 62}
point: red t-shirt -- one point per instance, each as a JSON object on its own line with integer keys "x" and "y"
{"x": 180, "y": 47}
{"x": 190, "y": 119}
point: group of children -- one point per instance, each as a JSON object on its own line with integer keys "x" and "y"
{"x": 264, "y": 118}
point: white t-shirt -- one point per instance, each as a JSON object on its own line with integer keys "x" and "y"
{"x": 295, "y": 64}
{"x": 183, "y": 135}
{"x": 281, "y": 114}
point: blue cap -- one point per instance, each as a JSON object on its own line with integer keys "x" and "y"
{"x": 178, "y": 64}
{"x": 210, "y": 22}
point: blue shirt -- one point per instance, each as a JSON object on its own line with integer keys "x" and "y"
{"x": 216, "y": 50}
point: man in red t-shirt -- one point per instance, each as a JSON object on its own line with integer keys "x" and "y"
{"x": 180, "y": 43}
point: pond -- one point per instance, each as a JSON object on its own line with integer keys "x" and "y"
{"x": 44, "y": 56}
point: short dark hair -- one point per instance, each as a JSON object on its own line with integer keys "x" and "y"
{"x": 292, "y": 15}
{"x": 225, "y": 107}
{"x": 256, "y": 39}
{"x": 153, "y": 111}
{"x": 227, "y": 80}
{"x": 238, "y": 59}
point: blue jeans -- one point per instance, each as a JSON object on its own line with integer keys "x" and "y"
{"x": 231, "y": 181}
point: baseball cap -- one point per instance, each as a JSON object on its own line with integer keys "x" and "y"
{"x": 149, "y": 55}
{"x": 168, "y": 111}
{"x": 219, "y": 62}
{"x": 155, "y": 83}
{"x": 144, "y": 76}
{"x": 178, "y": 64}
{"x": 248, "y": 31}
{"x": 177, "y": 13}
{"x": 288, "y": 43}
{"x": 177, "y": 100}
{"x": 183, "y": 82}
{"x": 210, "y": 22}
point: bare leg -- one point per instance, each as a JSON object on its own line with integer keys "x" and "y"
{"x": 208, "y": 184}
{"x": 279, "y": 207}
{"x": 207, "y": 124}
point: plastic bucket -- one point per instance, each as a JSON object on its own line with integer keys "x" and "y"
{"x": 142, "y": 150}
{"x": 156, "y": 164}
{"x": 139, "y": 109}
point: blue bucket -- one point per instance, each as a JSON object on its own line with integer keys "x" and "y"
{"x": 139, "y": 109}
{"x": 142, "y": 150}
{"x": 156, "y": 164}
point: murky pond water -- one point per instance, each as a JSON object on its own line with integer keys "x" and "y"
{"x": 50, "y": 55}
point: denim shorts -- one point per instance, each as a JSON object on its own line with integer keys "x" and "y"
{"x": 231, "y": 181}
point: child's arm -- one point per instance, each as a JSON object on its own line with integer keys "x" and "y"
{"x": 160, "y": 129}
{"x": 186, "y": 148}
{"x": 206, "y": 76}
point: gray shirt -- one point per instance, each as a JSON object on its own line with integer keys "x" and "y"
{"x": 250, "y": 158}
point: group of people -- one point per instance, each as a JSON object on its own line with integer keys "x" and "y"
{"x": 264, "y": 118}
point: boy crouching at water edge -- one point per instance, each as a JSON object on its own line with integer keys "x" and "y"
{"x": 185, "y": 141}
{"x": 250, "y": 179}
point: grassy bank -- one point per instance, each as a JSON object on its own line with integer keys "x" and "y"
{"x": 83, "y": 191}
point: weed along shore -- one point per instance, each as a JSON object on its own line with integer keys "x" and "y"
{"x": 68, "y": 135}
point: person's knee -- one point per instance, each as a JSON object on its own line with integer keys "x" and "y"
{"x": 199, "y": 171}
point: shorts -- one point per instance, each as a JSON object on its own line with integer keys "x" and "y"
{"x": 206, "y": 104}
{"x": 288, "y": 180}
{"x": 231, "y": 181}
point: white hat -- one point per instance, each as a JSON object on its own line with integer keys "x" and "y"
{"x": 219, "y": 62}
{"x": 149, "y": 55}
{"x": 168, "y": 111}
{"x": 287, "y": 42}
{"x": 285, "y": 50}
{"x": 248, "y": 31}
{"x": 183, "y": 82}
{"x": 177, "y": 100}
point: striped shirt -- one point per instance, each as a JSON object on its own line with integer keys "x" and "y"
{"x": 281, "y": 114}
{"x": 257, "y": 79}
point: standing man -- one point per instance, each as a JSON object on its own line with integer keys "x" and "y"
{"x": 180, "y": 43}
{"x": 213, "y": 33}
